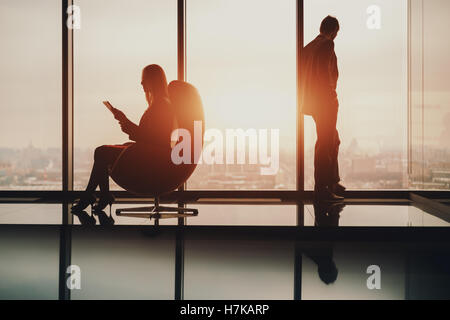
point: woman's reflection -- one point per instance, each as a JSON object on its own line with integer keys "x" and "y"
{"x": 89, "y": 220}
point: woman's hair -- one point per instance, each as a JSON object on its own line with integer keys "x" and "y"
{"x": 156, "y": 77}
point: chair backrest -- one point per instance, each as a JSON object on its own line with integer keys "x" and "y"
{"x": 144, "y": 172}
{"x": 189, "y": 109}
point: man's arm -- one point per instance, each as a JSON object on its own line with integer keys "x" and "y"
{"x": 328, "y": 69}
{"x": 333, "y": 71}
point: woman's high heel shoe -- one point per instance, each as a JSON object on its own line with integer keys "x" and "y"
{"x": 103, "y": 202}
{"x": 85, "y": 218}
{"x": 104, "y": 219}
{"x": 84, "y": 202}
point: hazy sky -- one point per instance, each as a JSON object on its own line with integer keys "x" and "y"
{"x": 30, "y": 76}
{"x": 241, "y": 56}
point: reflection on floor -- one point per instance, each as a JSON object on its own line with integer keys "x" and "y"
{"x": 138, "y": 262}
{"x": 231, "y": 251}
{"x": 406, "y": 271}
{"x": 356, "y": 215}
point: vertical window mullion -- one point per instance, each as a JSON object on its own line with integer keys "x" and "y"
{"x": 181, "y": 68}
{"x": 67, "y": 100}
{"x": 300, "y": 120}
{"x": 65, "y": 242}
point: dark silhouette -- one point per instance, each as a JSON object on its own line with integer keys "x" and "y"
{"x": 319, "y": 75}
{"x": 85, "y": 218}
{"x": 151, "y": 137}
{"x": 89, "y": 220}
{"x": 326, "y": 215}
{"x": 152, "y": 171}
{"x": 104, "y": 219}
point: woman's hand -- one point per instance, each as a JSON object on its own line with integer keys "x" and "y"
{"x": 119, "y": 115}
{"x": 127, "y": 126}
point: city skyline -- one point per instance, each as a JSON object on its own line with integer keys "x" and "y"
{"x": 381, "y": 171}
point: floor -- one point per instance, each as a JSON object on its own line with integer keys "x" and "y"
{"x": 381, "y": 214}
{"x": 391, "y": 249}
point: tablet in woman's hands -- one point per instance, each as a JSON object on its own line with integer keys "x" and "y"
{"x": 119, "y": 115}
{"x": 109, "y": 106}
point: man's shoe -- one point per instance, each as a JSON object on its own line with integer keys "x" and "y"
{"x": 338, "y": 189}
{"x": 336, "y": 208}
{"x": 326, "y": 195}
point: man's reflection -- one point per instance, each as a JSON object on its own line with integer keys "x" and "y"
{"x": 325, "y": 215}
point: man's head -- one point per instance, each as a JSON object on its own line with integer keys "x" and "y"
{"x": 327, "y": 271}
{"x": 329, "y": 27}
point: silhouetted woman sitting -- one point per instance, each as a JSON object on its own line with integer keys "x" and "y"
{"x": 154, "y": 129}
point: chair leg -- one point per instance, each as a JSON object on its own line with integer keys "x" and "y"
{"x": 157, "y": 212}
{"x": 137, "y": 209}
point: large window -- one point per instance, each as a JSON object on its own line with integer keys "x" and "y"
{"x": 371, "y": 48}
{"x": 117, "y": 39}
{"x": 241, "y": 55}
{"x": 30, "y": 95}
{"x": 429, "y": 95}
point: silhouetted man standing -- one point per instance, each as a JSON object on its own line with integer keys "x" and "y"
{"x": 318, "y": 98}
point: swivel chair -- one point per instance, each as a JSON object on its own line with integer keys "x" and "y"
{"x": 144, "y": 170}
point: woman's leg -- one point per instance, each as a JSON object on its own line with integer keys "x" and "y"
{"x": 93, "y": 179}
{"x": 104, "y": 156}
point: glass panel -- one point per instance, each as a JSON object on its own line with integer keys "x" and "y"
{"x": 371, "y": 216}
{"x": 30, "y": 213}
{"x": 117, "y": 39}
{"x": 238, "y": 268}
{"x": 429, "y": 271}
{"x": 415, "y": 161}
{"x": 241, "y": 55}
{"x": 245, "y": 215}
{"x": 30, "y": 262}
{"x": 371, "y": 49}
{"x": 339, "y": 271}
{"x": 124, "y": 263}
{"x": 108, "y": 218}
{"x": 30, "y": 95}
{"x": 430, "y": 95}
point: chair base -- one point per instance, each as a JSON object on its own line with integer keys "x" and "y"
{"x": 157, "y": 212}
